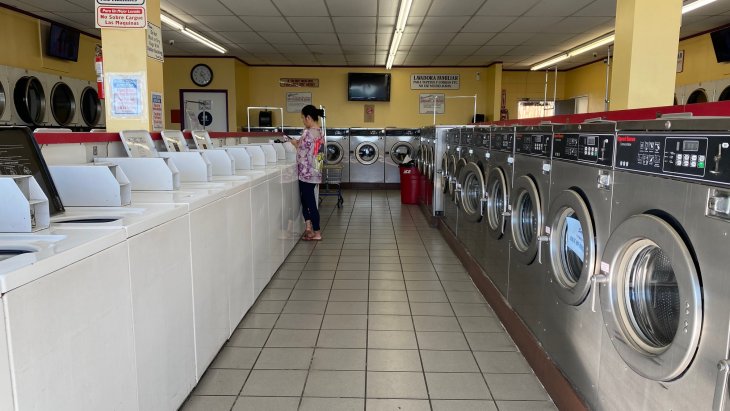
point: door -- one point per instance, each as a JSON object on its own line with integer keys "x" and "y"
{"x": 572, "y": 247}
{"x": 367, "y": 153}
{"x": 204, "y": 110}
{"x": 652, "y": 300}
{"x": 497, "y": 202}
{"x": 399, "y": 151}
{"x": 335, "y": 153}
{"x": 456, "y": 178}
{"x": 526, "y": 219}
{"x": 473, "y": 192}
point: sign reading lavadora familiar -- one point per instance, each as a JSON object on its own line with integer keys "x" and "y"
{"x": 434, "y": 81}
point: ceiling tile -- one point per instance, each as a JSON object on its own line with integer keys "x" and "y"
{"x": 258, "y": 49}
{"x": 358, "y": 49}
{"x": 381, "y": 60}
{"x": 386, "y": 24}
{"x": 531, "y": 24}
{"x": 407, "y": 39}
{"x": 25, "y": 5}
{"x": 399, "y": 59}
{"x": 352, "y": 8}
{"x": 550, "y": 39}
{"x": 506, "y": 7}
{"x": 281, "y": 38}
{"x": 385, "y": 39}
{"x": 382, "y": 49}
{"x": 605, "y": 8}
{"x": 319, "y": 38}
{"x": 510, "y": 39}
{"x": 357, "y": 39}
{"x": 576, "y": 24}
{"x": 454, "y": 8}
{"x": 557, "y": 7}
{"x": 311, "y": 24}
{"x": 355, "y": 24}
{"x": 443, "y": 24}
{"x": 424, "y": 39}
{"x": 361, "y": 60}
{"x": 471, "y": 39}
{"x": 301, "y": 7}
{"x": 84, "y": 18}
{"x": 325, "y": 49}
{"x": 388, "y": 8}
{"x": 420, "y": 7}
{"x": 243, "y": 37}
{"x": 459, "y": 50}
{"x": 432, "y": 50}
{"x": 301, "y": 58}
{"x": 250, "y": 7}
{"x": 270, "y": 24}
{"x": 493, "y": 50}
{"x": 487, "y": 24}
{"x": 447, "y": 60}
{"x": 477, "y": 61}
{"x": 58, "y": 5}
{"x": 223, "y": 23}
{"x": 417, "y": 61}
{"x": 201, "y": 8}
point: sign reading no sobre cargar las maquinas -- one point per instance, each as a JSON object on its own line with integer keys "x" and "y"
{"x": 121, "y": 14}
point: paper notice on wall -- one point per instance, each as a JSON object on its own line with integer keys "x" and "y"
{"x": 158, "y": 122}
{"x": 427, "y": 103}
{"x": 296, "y": 101}
{"x": 126, "y": 95}
{"x": 154, "y": 42}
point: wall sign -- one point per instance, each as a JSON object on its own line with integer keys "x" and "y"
{"x": 154, "y": 42}
{"x": 298, "y": 82}
{"x": 428, "y": 101}
{"x": 435, "y": 81}
{"x": 680, "y": 61}
{"x": 158, "y": 122}
{"x": 121, "y": 14}
{"x": 369, "y": 113}
{"x": 296, "y": 101}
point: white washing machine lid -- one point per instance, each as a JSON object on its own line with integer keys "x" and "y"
{"x": 652, "y": 299}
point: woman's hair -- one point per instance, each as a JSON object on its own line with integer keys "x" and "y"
{"x": 311, "y": 111}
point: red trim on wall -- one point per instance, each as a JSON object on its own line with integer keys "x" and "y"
{"x": 80, "y": 138}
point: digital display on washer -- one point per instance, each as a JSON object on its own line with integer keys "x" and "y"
{"x": 591, "y": 140}
{"x": 20, "y": 155}
{"x": 690, "y": 145}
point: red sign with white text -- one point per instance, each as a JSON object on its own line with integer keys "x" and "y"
{"x": 121, "y": 17}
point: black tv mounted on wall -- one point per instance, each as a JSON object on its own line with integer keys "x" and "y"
{"x": 63, "y": 42}
{"x": 721, "y": 44}
{"x": 368, "y": 87}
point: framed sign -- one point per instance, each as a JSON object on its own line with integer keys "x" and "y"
{"x": 435, "y": 81}
{"x": 296, "y": 101}
{"x": 427, "y": 102}
{"x": 298, "y": 82}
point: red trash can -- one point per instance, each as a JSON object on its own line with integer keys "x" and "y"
{"x": 409, "y": 185}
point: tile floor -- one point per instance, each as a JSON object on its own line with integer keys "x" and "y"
{"x": 380, "y": 315}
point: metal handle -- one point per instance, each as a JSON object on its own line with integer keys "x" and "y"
{"x": 720, "y": 398}
{"x": 481, "y": 205}
{"x": 541, "y": 239}
{"x": 595, "y": 280}
{"x": 505, "y": 214}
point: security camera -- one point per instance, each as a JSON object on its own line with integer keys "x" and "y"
{"x": 171, "y": 42}
{"x": 595, "y": 54}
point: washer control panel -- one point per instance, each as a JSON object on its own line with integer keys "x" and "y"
{"x": 693, "y": 156}
{"x": 503, "y": 141}
{"x": 538, "y": 145}
{"x": 595, "y": 149}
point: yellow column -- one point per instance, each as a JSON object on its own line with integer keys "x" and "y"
{"x": 125, "y": 52}
{"x": 493, "y": 77}
{"x": 645, "y": 53}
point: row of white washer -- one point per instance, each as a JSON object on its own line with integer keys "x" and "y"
{"x": 127, "y": 314}
{"x": 46, "y": 100}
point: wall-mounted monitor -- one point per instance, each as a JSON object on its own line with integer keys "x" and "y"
{"x": 63, "y": 42}
{"x": 721, "y": 44}
{"x": 368, "y": 87}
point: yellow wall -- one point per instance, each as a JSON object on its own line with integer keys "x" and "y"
{"x": 588, "y": 81}
{"x": 402, "y": 110}
{"x": 530, "y": 85}
{"x": 700, "y": 64}
{"x": 176, "y": 73}
{"x": 24, "y": 46}
{"x": 242, "y": 87}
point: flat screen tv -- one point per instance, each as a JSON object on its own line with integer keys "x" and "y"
{"x": 368, "y": 87}
{"x": 721, "y": 44}
{"x": 63, "y": 43}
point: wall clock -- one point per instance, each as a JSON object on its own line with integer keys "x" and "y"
{"x": 201, "y": 74}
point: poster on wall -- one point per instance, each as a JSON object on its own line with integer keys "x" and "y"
{"x": 680, "y": 61}
{"x": 435, "y": 81}
{"x": 158, "y": 123}
{"x": 126, "y": 93}
{"x": 154, "y": 42}
{"x": 296, "y": 101}
{"x": 369, "y": 113}
{"x": 427, "y": 102}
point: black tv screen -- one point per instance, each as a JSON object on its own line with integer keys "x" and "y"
{"x": 721, "y": 44}
{"x": 368, "y": 87}
{"x": 63, "y": 43}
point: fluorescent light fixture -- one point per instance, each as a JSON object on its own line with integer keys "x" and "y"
{"x": 400, "y": 26}
{"x": 551, "y": 62}
{"x": 592, "y": 45}
{"x": 695, "y": 5}
{"x": 169, "y": 21}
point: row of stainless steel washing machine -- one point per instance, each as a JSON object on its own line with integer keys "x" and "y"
{"x": 45, "y": 100}
{"x": 613, "y": 249}
{"x": 370, "y": 155}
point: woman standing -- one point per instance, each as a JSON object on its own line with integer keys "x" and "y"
{"x": 309, "y": 175}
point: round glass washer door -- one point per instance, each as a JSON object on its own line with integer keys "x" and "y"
{"x": 63, "y": 103}
{"x": 526, "y": 219}
{"x": 497, "y": 202}
{"x": 399, "y": 151}
{"x": 367, "y": 153}
{"x": 445, "y": 177}
{"x": 652, "y": 302}
{"x": 572, "y": 247}
{"x": 90, "y": 106}
{"x": 458, "y": 166}
{"x": 335, "y": 153}
{"x": 472, "y": 192}
{"x": 30, "y": 100}
{"x": 419, "y": 159}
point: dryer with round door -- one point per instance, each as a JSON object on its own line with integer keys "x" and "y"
{"x": 722, "y": 90}
{"x": 6, "y": 97}
{"x": 367, "y": 155}
{"x": 62, "y": 101}
{"x": 473, "y": 196}
{"x": 30, "y": 97}
{"x": 577, "y": 225}
{"x": 665, "y": 295}
{"x": 338, "y": 144}
{"x": 452, "y": 154}
{"x": 399, "y": 143}
{"x": 529, "y": 202}
{"x": 497, "y": 212}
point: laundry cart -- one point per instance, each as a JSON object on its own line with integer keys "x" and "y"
{"x": 332, "y": 183}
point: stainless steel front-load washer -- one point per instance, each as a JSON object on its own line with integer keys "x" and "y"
{"x": 665, "y": 297}
{"x": 577, "y": 224}
{"x": 529, "y": 200}
{"x": 452, "y": 153}
{"x": 399, "y": 143}
{"x": 473, "y": 194}
{"x": 337, "y": 150}
{"x": 499, "y": 187}
{"x": 367, "y": 155}
{"x": 435, "y": 138}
